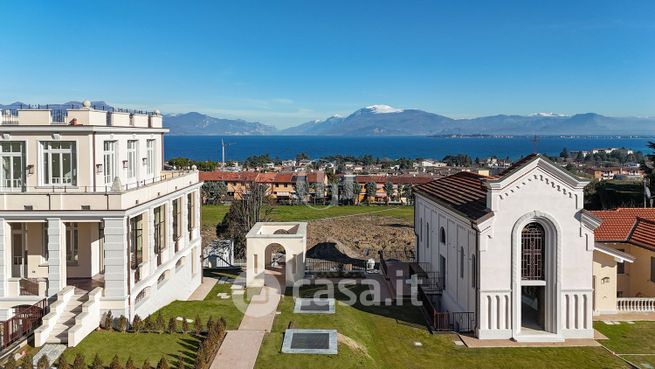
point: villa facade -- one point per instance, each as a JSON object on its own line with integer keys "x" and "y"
{"x": 89, "y": 219}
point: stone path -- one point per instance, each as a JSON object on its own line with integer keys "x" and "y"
{"x": 203, "y": 290}
{"x": 241, "y": 347}
{"x": 51, "y": 350}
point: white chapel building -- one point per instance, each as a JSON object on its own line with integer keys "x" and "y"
{"x": 516, "y": 249}
{"x": 90, "y": 220}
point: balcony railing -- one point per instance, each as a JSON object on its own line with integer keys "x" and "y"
{"x": 24, "y": 322}
{"x": 635, "y": 304}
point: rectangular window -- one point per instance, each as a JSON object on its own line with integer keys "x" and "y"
{"x": 12, "y": 157}
{"x": 136, "y": 240}
{"x": 44, "y": 248}
{"x": 109, "y": 163}
{"x": 159, "y": 227}
{"x": 72, "y": 245}
{"x": 177, "y": 219}
{"x": 150, "y": 157}
{"x": 59, "y": 165}
{"x": 190, "y": 202}
{"x": 652, "y": 269}
{"x": 620, "y": 267}
{"x": 132, "y": 154}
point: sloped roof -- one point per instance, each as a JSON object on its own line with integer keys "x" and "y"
{"x": 634, "y": 225}
{"x": 229, "y": 176}
{"x": 463, "y": 192}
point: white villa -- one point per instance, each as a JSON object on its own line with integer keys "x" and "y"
{"x": 89, "y": 219}
{"x": 516, "y": 250}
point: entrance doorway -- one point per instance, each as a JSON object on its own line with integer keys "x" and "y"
{"x": 533, "y": 307}
{"x": 19, "y": 251}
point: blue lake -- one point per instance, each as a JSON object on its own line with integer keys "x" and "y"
{"x": 286, "y": 147}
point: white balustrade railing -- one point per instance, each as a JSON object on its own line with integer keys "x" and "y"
{"x": 635, "y": 304}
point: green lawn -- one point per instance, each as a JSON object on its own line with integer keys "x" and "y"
{"x": 626, "y": 339}
{"x": 141, "y": 346}
{"x": 212, "y": 306}
{"x": 383, "y": 337}
{"x": 212, "y": 214}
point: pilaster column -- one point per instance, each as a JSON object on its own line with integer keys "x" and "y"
{"x": 56, "y": 256}
{"x": 116, "y": 259}
{"x": 5, "y": 258}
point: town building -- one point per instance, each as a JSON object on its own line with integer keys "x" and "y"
{"x": 89, "y": 219}
{"x": 515, "y": 250}
{"x": 608, "y": 173}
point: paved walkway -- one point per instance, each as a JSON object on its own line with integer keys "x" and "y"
{"x": 203, "y": 290}
{"x": 241, "y": 347}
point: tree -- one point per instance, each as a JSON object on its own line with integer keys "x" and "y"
{"x": 214, "y": 192}
{"x": 115, "y": 363}
{"x": 564, "y": 154}
{"x": 172, "y": 325}
{"x": 97, "y": 362}
{"x": 349, "y": 191}
{"x": 301, "y": 156}
{"x": 301, "y": 189}
{"x": 407, "y": 193}
{"x": 388, "y": 189}
{"x": 197, "y": 325}
{"x": 146, "y": 364}
{"x": 579, "y": 157}
{"x": 137, "y": 324}
{"x": 254, "y": 206}
{"x": 129, "y": 364}
{"x": 334, "y": 192}
{"x": 371, "y": 189}
{"x": 163, "y": 364}
{"x": 181, "y": 162}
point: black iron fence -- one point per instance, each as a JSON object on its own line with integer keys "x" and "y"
{"x": 320, "y": 265}
{"x": 460, "y": 321}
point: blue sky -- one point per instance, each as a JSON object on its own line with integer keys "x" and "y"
{"x": 286, "y": 62}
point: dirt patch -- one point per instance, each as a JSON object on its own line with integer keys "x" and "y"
{"x": 358, "y": 237}
{"x": 352, "y": 344}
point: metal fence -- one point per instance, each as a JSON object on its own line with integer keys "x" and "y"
{"x": 460, "y": 321}
{"x": 320, "y": 265}
{"x": 25, "y": 321}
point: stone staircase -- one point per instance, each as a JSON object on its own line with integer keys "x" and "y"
{"x": 66, "y": 320}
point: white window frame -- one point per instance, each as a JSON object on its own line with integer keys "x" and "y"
{"x": 132, "y": 159}
{"x": 46, "y": 155}
{"x": 150, "y": 157}
{"x": 72, "y": 243}
{"x": 109, "y": 160}
{"x": 15, "y": 182}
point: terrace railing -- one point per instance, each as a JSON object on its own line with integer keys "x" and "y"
{"x": 460, "y": 321}
{"x": 24, "y": 322}
{"x": 635, "y": 304}
{"x": 320, "y": 265}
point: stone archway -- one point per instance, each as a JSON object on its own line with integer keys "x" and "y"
{"x": 264, "y": 243}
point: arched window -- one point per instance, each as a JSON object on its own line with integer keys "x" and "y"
{"x": 533, "y": 240}
{"x": 442, "y": 235}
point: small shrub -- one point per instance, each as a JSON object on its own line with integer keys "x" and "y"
{"x": 11, "y": 362}
{"x": 185, "y": 325}
{"x": 27, "y": 361}
{"x": 146, "y": 364}
{"x": 115, "y": 363}
{"x": 62, "y": 363}
{"x": 79, "y": 362}
{"x": 197, "y": 325}
{"x": 43, "y": 363}
{"x": 130, "y": 363}
{"x": 172, "y": 325}
{"x": 163, "y": 364}
{"x": 97, "y": 362}
{"x": 160, "y": 325}
{"x": 109, "y": 321}
{"x": 180, "y": 362}
{"x": 137, "y": 324}
{"x": 210, "y": 322}
{"x": 122, "y": 324}
{"x": 148, "y": 324}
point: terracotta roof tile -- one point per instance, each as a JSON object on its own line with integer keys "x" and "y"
{"x": 618, "y": 224}
{"x": 643, "y": 233}
{"x": 464, "y": 192}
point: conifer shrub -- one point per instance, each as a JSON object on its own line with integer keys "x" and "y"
{"x": 27, "y": 361}
{"x": 43, "y": 363}
{"x": 137, "y": 324}
{"x": 97, "y": 362}
{"x": 160, "y": 325}
{"x": 129, "y": 364}
{"x": 122, "y": 324}
{"x": 172, "y": 325}
{"x": 109, "y": 321}
{"x": 79, "y": 362}
{"x": 62, "y": 363}
{"x": 11, "y": 363}
{"x": 146, "y": 364}
{"x": 197, "y": 325}
{"x": 163, "y": 364}
{"x": 115, "y": 363}
{"x": 185, "y": 325}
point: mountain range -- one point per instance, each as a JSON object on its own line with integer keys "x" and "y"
{"x": 384, "y": 120}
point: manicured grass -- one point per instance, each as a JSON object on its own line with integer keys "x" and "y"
{"x": 139, "y": 346}
{"x": 212, "y": 214}
{"x": 624, "y": 338}
{"x": 212, "y": 305}
{"x": 384, "y": 338}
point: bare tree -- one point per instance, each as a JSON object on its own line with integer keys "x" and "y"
{"x": 254, "y": 206}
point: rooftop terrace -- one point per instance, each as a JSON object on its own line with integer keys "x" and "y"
{"x": 79, "y": 115}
